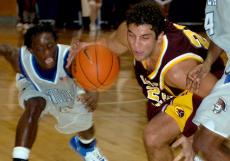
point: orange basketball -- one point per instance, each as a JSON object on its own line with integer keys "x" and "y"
{"x": 95, "y": 67}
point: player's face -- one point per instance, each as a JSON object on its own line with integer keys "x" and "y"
{"x": 44, "y": 49}
{"x": 142, "y": 41}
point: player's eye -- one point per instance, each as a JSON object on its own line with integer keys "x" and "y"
{"x": 40, "y": 49}
{"x": 50, "y": 45}
{"x": 145, "y": 37}
{"x": 131, "y": 35}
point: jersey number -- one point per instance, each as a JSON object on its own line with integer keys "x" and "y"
{"x": 195, "y": 39}
{"x": 208, "y": 23}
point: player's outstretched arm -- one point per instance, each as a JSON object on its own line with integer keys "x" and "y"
{"x": 11, "y": 55}
{"x": 116, "y": 42}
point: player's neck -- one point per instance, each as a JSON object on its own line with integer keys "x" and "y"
{"x": 151, "y": 62}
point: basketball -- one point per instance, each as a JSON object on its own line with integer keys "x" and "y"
{"x": 95, "y": 67}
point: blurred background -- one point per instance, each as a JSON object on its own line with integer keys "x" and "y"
{"x": 76, "y": 14}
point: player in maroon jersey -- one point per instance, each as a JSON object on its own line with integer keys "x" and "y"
{"x": 164, "y": 53}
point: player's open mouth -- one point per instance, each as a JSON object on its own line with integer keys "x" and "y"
{"x": 138, "y": 55}
{"x": 49, "y": 61}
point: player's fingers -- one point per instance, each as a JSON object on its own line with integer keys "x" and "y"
{"x": 177, "y": 143}
{"x": 83, "y": 98}
{"x": 193, "y": 86}
{"x": 91, "y": 107}
{"x": 90, "y": 103}
{"x": 69, "y": 60}
{"x": 193, "y": 83}
{"x": 196, "y": 88}
{"x": 191, "y": 77}
{"x": 196, "y": 84}
{"x": 188, "y": 84}
{"x": 73, "y": 51}
{"x": 83, "y": 44}
{"x": 189, "y": 157}
{"x": 179, "y": 157}
{"x": 74, "y": 43}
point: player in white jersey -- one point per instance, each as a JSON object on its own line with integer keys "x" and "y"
{"x": 213, "y": 115}
{"x": 45, "y": 86}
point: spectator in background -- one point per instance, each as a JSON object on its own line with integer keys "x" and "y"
{"x": 116, "y": 13}
{"x": 20, "y": 4}
{"x": 95, "y": 6}
{"x": 164, "y": 6}
{"x": 67, "y": 13}
{"x": 90, "y": 8}
{"x": 27, "y": 15}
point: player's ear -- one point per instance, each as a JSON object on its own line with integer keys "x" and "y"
{"x": 30, "y": 50}
{"x": 160, "y": 37}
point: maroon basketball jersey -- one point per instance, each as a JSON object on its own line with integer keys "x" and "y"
{"x": 179, "y": 44}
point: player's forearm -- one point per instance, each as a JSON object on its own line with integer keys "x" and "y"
{"x": 213, "y": 53}
{"x": 7, "y": 51}
{"x": 11, "y": 55}
{"x": 4, "y": 49}
{"x": 117, "y": 41}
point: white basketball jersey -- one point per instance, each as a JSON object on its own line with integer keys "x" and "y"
{"x": 217, "y": 23}
{"x": 61, "y": 90}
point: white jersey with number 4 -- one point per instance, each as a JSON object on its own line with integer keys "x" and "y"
{"x": 214, "y": 111}
{"x": 217, "y": 23}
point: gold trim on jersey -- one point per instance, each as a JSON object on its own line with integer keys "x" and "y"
{"x": 159, "y": 61}
{"x": 180, "y": 27}
{"x": 172, "y": 63}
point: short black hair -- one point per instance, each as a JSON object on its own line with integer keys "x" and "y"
{"x": 37, "y": 29}
{"x": 146, "y": 12}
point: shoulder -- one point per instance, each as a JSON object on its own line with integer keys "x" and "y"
{"x": 63, "y": 48}
{"x": 63, "y": 51}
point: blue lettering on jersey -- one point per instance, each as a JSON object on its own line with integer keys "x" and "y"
{"x": 211, "y": 2}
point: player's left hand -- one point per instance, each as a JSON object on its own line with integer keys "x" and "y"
{"x": 187, "y": 151}
{"x": 195, "y": 76}
{"x": 90, "y": 99}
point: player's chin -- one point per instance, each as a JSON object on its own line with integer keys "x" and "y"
{"x": 139, "y": 58}
{"x": 50, "y": 66}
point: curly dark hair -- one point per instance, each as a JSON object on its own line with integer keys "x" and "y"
{"x": 146, "y": 12}
{"x": 37, "y": 29}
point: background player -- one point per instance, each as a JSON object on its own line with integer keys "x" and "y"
{"x": 213, "y": 113}
{"x": 45, "y": 86}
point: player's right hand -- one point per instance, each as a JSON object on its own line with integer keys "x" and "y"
{"x": 90, "y": 99}
{"x": 186, "y": 152}
{"x": 76, "y": 46}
